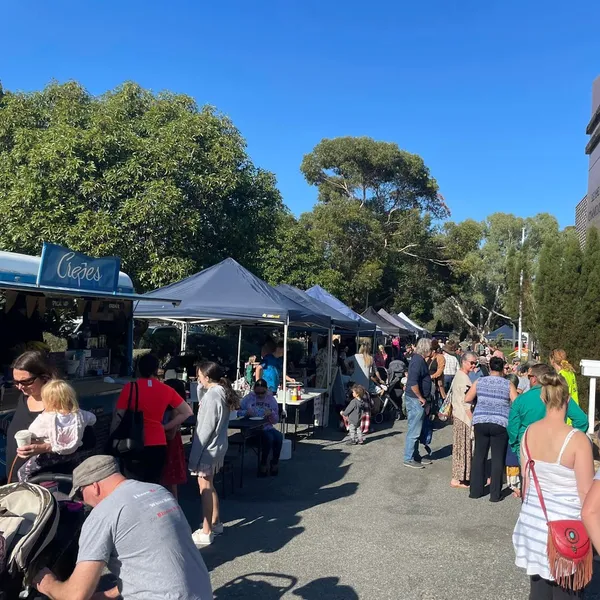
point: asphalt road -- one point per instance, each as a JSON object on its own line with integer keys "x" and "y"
{"x": 351, "y": 522}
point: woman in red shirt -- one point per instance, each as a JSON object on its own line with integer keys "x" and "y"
{"x": 154, "y": 398}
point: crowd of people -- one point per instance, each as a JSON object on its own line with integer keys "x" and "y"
{"x": 527, "y": 416}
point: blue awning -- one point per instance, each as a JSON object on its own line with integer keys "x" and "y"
{"x": 339, "y": 321}
{"x": 324, "y": 296}
{"x": 228, "y": 292}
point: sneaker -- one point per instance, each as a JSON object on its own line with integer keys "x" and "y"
{"x": 202, "y": 539}
{"x": 360, "y": 442}
{"x": 350, "y": 442}
{"x": 425, "y": 461}
{"x": 217, "y": 529}
{"x": 413, "y": 464}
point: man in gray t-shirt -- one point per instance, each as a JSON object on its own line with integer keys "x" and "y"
{"x": 139, "y": 532}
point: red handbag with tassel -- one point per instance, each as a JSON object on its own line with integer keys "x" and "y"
{"x": 569, "y": 547}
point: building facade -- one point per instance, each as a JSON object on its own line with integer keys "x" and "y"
{"x": 581, "y": 222}
{"x": 593, "y": 151}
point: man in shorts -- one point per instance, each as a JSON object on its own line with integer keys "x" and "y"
{"x": 139, "y": 532}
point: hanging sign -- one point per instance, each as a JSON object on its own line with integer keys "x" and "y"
{"x": 61, "y": 267}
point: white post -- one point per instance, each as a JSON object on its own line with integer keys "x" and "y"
{"x": 520, "y": 346}
{"x": 283, "y": 386}
{"x": 592, "y": 406}
{"x": 239, "y": 355}
{"x": 324, "y": 421}
{"x": 184, "y": 334}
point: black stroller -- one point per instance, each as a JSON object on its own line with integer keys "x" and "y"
{"x": 38, "y": 528}
{"x": 391, "y": 405}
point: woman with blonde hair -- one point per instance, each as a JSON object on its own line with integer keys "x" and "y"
{"x": 558, "y": 359}
{"x": 557, "y": 475}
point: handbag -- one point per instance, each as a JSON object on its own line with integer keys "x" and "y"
{"x": 445, "y": 411}
{"x": 569, "y": 547}
{"x": 128, "y": 436}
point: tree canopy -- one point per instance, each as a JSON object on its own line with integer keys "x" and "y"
{"x": 153, "y": 178}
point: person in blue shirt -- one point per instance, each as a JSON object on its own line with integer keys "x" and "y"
{"x": 270, "y": 366}
{"x": 418, "y": 392}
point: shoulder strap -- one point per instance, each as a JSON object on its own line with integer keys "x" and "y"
{"x": 564, "y": 446}
{"x": 132, "y": 386}
{"x": 531, "y": 465}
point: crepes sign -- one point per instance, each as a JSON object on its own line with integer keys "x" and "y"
{"x": 64, "y": 268}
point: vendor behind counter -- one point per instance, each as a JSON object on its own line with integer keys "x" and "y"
{"x": 31, "y": 371}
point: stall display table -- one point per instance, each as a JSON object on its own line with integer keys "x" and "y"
{"x": 311, "y": 395}
{"x": 247, "y": 428}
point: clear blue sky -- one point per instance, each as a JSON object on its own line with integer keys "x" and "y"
{"x": 494, "y": 95}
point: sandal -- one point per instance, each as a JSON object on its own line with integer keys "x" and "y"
{"x": 459, "y": 486}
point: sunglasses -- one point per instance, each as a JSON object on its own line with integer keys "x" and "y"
{"x": 473, "y": 362}
{"x": 24, "y": 382}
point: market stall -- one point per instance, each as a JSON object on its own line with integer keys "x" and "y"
{"x": 387, "y": 327}
{"x": 230, "y": 294}
{"x": 403, "y": 329}
{"x": 76, "y": 308}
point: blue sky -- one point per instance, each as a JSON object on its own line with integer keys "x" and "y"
{"x": 494, "y": 95}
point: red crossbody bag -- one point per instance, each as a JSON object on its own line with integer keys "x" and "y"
{"x": 569, "y": 547}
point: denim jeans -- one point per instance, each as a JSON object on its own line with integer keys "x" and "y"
{"x": 415, "y": 413}
{"x": 271, "y": 441}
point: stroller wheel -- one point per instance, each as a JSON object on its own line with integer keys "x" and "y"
{"x": 379, "y": 418}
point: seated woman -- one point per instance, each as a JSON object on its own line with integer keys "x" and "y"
{"x": 261, "y": 403}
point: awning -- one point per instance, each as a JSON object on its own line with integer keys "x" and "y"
{"x": 386, "y": 326}
{"x": 324, "y": 296}
{"x": 228, "y": 292}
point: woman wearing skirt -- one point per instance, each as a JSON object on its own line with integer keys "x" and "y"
{"x": 461, "y": 413}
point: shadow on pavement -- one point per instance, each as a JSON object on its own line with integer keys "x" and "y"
{"x": 273, "y": 586}
{"x": 326, "y": 588}
{"x": 444, "y": 452}
{"x": 264, "y": 515}
{"x": 266, "y": 586}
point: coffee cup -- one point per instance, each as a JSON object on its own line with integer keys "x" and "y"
{"x": 23, "y": 438}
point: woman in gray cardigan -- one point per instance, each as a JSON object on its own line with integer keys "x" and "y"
{"x": 210, "y": 445}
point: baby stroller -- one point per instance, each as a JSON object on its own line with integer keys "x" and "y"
{"x": 36, "y": 530}
{"x": 390, "y": 406}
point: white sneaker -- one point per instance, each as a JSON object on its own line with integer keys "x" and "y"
{"x": 217, "y": 528}
{"x": 202, "y": 539}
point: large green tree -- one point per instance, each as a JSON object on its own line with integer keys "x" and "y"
{"x": 373, "y": 224}
{"x": 153, "y": 178}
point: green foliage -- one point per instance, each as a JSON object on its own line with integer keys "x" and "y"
{"x": 152, "y": 178}
{"x": 588, "y": 306}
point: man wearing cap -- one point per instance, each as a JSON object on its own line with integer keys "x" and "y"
{"x": 139, "y": 532}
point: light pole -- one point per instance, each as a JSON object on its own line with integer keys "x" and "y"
{"x": 520, "y": 346}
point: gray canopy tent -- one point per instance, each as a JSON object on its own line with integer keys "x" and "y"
{"x": 227, "y": 292}
{"x": 387, "y": 327}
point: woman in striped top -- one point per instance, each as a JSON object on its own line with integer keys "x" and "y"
{"x": 565, "y": 471}
{"x": 490, "y": 418}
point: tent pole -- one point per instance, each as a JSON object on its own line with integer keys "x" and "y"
{"x": 283, "y": 386}
{"x": 325, "y": 404}
{"x": 239, "y": 354}
{"x": 184, "y": 335}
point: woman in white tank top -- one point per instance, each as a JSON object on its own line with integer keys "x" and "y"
{"x": 565, "y": 469}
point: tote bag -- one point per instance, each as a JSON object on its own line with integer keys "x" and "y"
{"x": 128, "y": 437}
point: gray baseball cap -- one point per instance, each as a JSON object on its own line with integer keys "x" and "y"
{"x": 92, "y": 470}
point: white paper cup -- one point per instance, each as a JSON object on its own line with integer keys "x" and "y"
{"x": 23, "y": 438}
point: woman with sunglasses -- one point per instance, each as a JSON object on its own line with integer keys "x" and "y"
{"x": 261, "y": 403}
{"x": 31, "y": 371}
{"x": 461, "y": 426}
